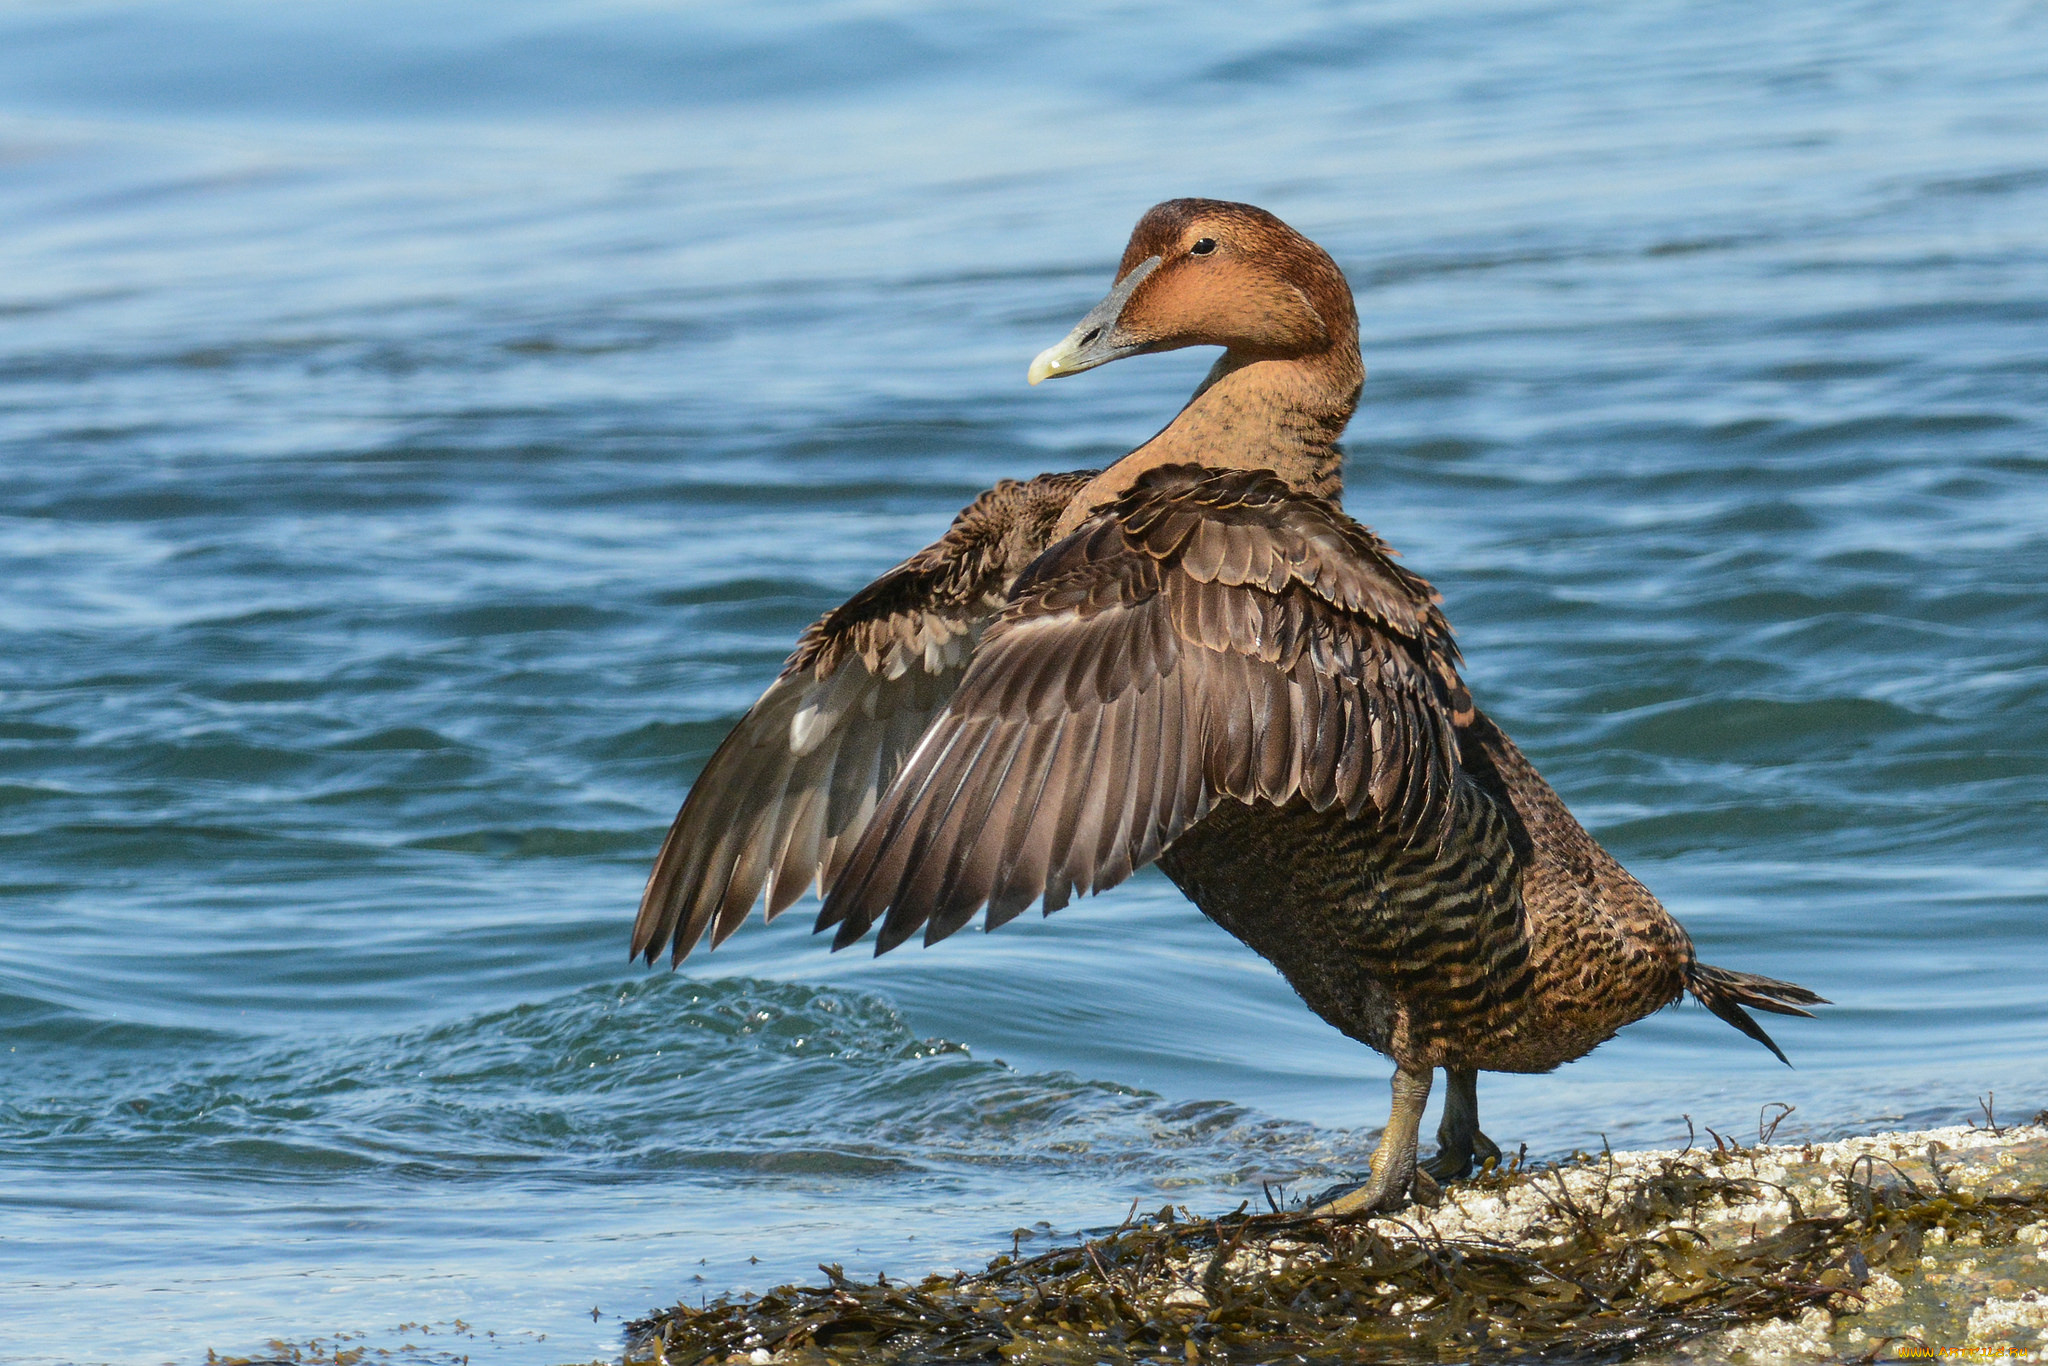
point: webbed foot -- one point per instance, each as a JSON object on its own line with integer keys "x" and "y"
{"x": 1395, "y": 1176}
{"x": 1451, "y": 1164}
{"x": 1460, "y": 1147}
{"x": 1376, "y": 1197}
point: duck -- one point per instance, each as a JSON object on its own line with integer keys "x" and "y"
{"x": 1195, "y": 658}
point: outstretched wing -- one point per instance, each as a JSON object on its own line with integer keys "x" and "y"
{"x": 781, "y": 802}
{"x": 1211, "y": 634}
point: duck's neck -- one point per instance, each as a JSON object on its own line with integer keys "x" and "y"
{"x": 1262, "y": 414}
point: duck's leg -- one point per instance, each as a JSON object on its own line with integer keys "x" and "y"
{"x": 1459, "y": 1145}
{"x": 1393, "y": 1162}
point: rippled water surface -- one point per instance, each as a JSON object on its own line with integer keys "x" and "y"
{"x": 423, "y": 429}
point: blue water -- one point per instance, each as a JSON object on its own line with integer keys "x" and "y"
{"x": 423, "y": 429}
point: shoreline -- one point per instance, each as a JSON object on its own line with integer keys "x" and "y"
{"x": 1890, "y": 1246}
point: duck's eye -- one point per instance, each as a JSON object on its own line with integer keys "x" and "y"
{"x": 1203, "y": 247}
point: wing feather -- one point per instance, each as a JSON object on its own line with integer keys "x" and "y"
{"x": 1212, "y": 634}
{"x": 783, "y": 801}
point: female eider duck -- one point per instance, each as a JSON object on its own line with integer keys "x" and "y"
{"x": 1195, "y": 657}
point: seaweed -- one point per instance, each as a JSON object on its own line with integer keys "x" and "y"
{"x": 1620, "y": 1264}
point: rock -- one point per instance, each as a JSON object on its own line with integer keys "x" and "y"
{"x": 1931, "y": 1237}
{"x": 2023, "y": 1322}
{"x": 1801, "y": 1339}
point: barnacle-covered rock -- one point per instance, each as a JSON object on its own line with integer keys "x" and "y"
{"x": 1722, "y": 1253}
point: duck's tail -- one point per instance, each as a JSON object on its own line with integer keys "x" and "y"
{"x": 1726, "y": 993}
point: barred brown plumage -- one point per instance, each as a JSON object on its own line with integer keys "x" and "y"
{"x": 1195, "y": 657}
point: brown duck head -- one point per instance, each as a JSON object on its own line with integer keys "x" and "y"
{"x": 1206, "y": 272}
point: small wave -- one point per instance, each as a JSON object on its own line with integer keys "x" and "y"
{"x": 28, "y": 794}
{"x": 407, "y": 739}
{"x": 1760, "y": 728}
{"x": 1330, "y": 46}
{"x": 218, "y": 758}
{"x": 540, "y": 842}
{"x": 517, "y": 618}
{"x": 35, "y": 730}
{"x": 1889, "y": 429}
{"x": 753, "y": 1079}
{"x": 1997, "y": 183}
{"x": 733, "y": 592}
{"x": 663, "y": 740}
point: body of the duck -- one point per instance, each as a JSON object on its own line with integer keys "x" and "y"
{"x": 1195, "y": 658}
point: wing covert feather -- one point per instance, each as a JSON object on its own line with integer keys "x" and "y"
{"x": 1210, "y": 634}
